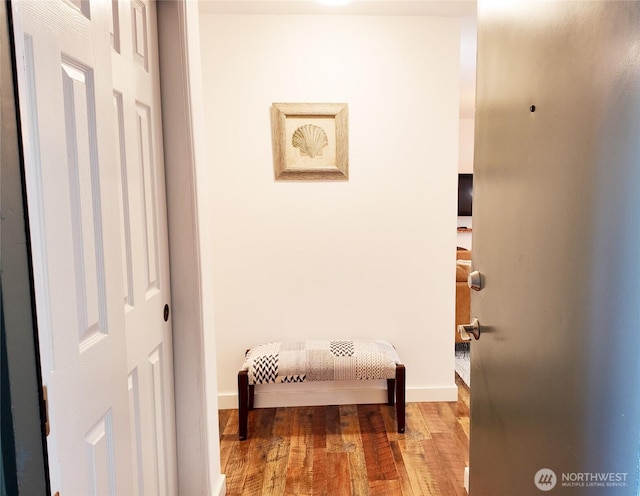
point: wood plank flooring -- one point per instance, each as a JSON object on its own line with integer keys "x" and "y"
{"x": 348, "y": 450}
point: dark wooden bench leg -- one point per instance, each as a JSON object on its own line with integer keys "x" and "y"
{"x": 400, "y": 396}
{"x": 252, "y": 388}
{"x": 391, "y": 391}
{"x": 243, "y": 403}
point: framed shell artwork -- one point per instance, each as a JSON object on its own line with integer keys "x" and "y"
{"x": 310, "y": 141}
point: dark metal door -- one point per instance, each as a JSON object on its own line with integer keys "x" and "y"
{"x": 555, "y": 375}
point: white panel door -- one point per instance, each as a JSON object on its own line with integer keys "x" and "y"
{"x": 144, "y": 243}
{"x": 89, "y": 95}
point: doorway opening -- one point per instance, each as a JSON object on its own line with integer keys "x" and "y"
{"x": 464, "y": 251}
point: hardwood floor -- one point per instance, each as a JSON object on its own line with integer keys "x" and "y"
{"x": 348, "y": 450}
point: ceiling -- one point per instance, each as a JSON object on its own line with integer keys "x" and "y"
{"x": 446, "y": 8}
{"x": 464, "y": 9}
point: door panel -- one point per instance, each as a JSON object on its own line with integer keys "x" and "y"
{"x": 84, "y": 189}
{"x": 89, "y": 91}
{"x": 554, "y": 222}
{"x": 125, "y": 210}
{"x": 150, "y": 254}
{"x": 80, "y": 321}
{"x": 101, "y": 456}
{"x": 149, "y": 356}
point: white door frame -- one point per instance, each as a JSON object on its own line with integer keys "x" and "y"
{"x": 195, "y": 378}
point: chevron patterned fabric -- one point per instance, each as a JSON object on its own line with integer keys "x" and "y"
{"x": 321, "y": 360}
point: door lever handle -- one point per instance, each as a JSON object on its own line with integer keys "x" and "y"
{"x": 468, "y": 330}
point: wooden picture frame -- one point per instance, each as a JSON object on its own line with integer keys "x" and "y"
{"x": 310, "y": 141}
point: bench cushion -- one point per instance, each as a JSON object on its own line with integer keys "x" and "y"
{"x": 321, "y": 360}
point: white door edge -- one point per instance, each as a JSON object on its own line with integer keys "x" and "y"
{"x": 194, "y": 343}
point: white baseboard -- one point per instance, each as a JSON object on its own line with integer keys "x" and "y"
{"x": 334, "y": 393}
{"x": 221, "y": 487}
{"x": 466, "y": 479}
{"x": 432, "y": 394}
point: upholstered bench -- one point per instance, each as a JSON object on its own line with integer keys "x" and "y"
{"x": 321, "y": 360}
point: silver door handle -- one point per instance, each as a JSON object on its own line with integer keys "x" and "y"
{"x": 475, "y": 281}
{"x": 468, "y": 330}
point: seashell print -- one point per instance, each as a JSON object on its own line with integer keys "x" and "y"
{"x": 310, "y": 139}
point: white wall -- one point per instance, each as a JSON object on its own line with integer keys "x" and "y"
{"x": 371, "y": 257}
{"x": 465, "y": 145}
